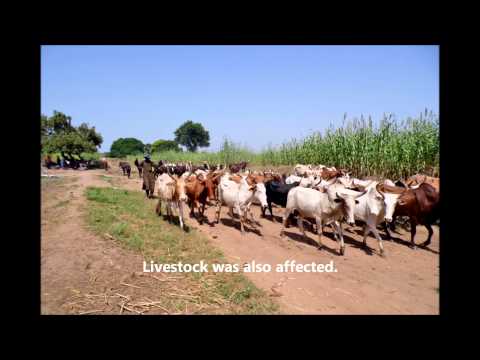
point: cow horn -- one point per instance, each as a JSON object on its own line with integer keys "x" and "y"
{"x": 361, "y": 194}
{"x": 380, "y": 191}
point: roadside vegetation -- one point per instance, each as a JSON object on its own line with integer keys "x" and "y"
{"x": 391, "y": 148}
{"x": 128, "y": 219}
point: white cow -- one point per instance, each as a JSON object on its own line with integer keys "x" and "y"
{"x": 239, "y": 196}
{"x": 361, "y": 184}
{"x": 305, "y": 181}
{"x": 171, "y": 189}
{"x": 301, "y": 170}
{"x": 374, "y": 208}
{"x": 328, "y": 207}
{"x": 346, "y": 181}
{"x": 201, "y": 172}
{"x": 293, "y": 178}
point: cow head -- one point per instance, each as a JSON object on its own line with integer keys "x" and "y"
{"x": 348, "y": 202}
{"x": 390, "y": 200}
{"x": 180, "y": 188}
{"x": 376, "y": 201}
{"x": 260, "y": 193}
{"x": 210, "y": 185}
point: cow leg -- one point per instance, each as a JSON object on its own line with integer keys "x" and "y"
{"x": 158, "y": 209}
{"x": 300, "y": 226}
{"x": 252, "y": 217}
{"x": 338, "y": 228}
{"x": 200, "y": 217}
{"x": 366, "y": 231}
{"x": 170, "y": 212}
{"x": 377, "y": 236}
{"x": 318, "y": 222}
{"x": 219, "y": 208}
{"x": 270, "y": 209}
{"x": 180, "y": 214}
{"x": 413, "y": 231}
{"x": 430, "y": 233}
{"x": 286, "y": 214}
{"x": 241, "y": 218}
{"x": 385, "y": 225}
{"x": 393, "y": 223}
{"x": 191, "y": 204}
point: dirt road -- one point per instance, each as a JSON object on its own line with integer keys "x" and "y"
{"x": 405, "y": 282}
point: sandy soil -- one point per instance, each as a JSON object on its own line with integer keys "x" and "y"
{"x": 405, "y": 282}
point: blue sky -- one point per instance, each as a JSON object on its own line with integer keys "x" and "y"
{"x": 255, "y": 95}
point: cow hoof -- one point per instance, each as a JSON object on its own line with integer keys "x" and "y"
{"x": 382, "y": 254}
{"x": 342, "y": 251}
{"x": 414, "y": 247}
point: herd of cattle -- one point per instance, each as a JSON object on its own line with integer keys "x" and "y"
{"x": 320, "y": 194}
{"x": 67, "y": 162}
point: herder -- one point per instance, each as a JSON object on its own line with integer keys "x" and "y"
{"x": 148, "y": 176}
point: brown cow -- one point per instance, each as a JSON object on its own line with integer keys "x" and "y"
{"x": 421, "y": 205}
{"x": 235, "y": 168}
{"x": 419, "y": 179}
{"x": 330, "y": 174}
{"x": 198, "y": 189}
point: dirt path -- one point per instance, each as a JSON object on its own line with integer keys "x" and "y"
{"x": 79, "y": 268}
{"x": 406, "y": 282}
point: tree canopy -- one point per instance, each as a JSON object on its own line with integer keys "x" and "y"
{"x": 165, "y": 145}
{"x": 59, "y": 135}
{"x": 192, "y": 136}
{"x": 126, "y": 146}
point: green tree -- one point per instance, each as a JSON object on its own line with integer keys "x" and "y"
{"x": 192, "y": 136}
{"x": 126, "y": 146}
{"x": 90, "y": 134}
{"x": 147, "y": 149}
{"x": 165, "y": 145}
{"x": 59, "y": 135}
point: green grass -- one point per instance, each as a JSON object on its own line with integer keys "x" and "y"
{"x": 393, "y": 149}
{"x": 132, "y": 222}
{"x": 108, "y": 179}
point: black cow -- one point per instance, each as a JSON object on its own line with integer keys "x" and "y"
{"x": 139, "y": 168}
{"x": 125, "y": 166}
{"x": 277, "y": 193}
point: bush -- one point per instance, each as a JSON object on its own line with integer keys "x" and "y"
{"x": 165, "y": 145}
{"x": 126, "y": 146}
